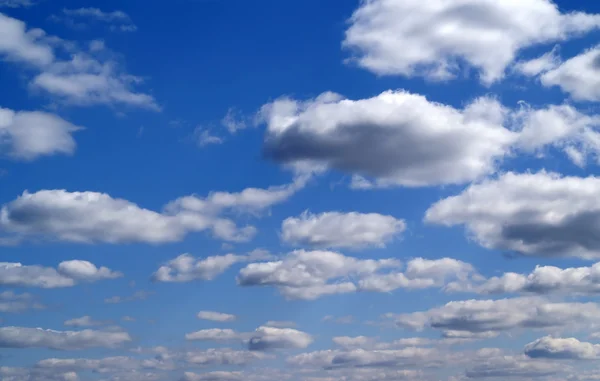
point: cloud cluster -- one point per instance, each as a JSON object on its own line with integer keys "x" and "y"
{"x": 343, "y": 230}
{"x": 22, "y": 337}
{"x": 441, "y": 37}
{"x": 542, "y": 214}
{"x": 67, "y": 274}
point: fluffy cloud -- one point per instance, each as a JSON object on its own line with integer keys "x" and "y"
{"x": 29, "y": 135}
{"x": 557, "y": 348}
{"x": 186, "y": 268}
{"x": 214, "y": 334}
{"x": 542, "y": 214}
{"x": 13, "y": 302}
{"x": 67, "y": 274}
{"x": 267, "y": 338}
{"x": 20, "y": 337}
{"x": 86, "y": 78}
{"x": 84, "y": 321}
{"x": 543, "y": 280}
{"x": 439, "y": 37}
{"x": 216, "y": 316}
{"x": 311, "y": 274}
{"x": 224, "y": 356}
{"x": 487, "y": 317}
{"x": 398, "y": 138}
{"x": 334, "y": 229}
{"x": 541, "y": 64}
{"x": 578, "y": 76}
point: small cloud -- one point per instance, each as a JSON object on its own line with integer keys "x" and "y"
{"x": 81, "y": 17}
{"x": 138, "y": 295}
{"x": 203, "y": 138}
{"x": 233, "y": 121}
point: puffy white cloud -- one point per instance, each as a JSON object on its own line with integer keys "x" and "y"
{"x": 542, "y": 214}
{"x": 216, "y": 316}
{"x": 13, "y": 302}
{"x": 214, "y": 334}
{"x": 335, "y": 229}
{"x": 487, "y": 317}
{"x": 578, "y": 76}
{"x": 28, "y": 135}
{"x": 311, "y": 274}
{"x": 558, "y": 348}
{"x": 67, "y": 274}
{"x": 84, "y": 321}
{"x": 267, "y": 338}
{"x": 542, "y": 280}
{"x": 186, "y": 268}
{"x": 90, "y": 217}
{"x": 435, "y": 38}
{"x": 21, "y": 337}
{"x": 84, "y": 79}
{"x": 541, "y": 64}
{"x": 397, "y": 138}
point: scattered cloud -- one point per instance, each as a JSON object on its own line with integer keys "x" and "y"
{"x": 21, "y": 337}
{"x": 439, "y": 39}
{"x": 67, "y": 274}
{"x": 85, "y": 321}
{"x": 216, "y": 316}
{"x": 335, "y": 229}
{"x": 138, "y": 295}
{"x": 542, "y": 214}
{"x": 11, "y": 302}
{"x": 204, "y": 138}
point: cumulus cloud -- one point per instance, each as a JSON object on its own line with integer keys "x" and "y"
{"x": 539, "y": 65}
{"x": 216, "y": 316}
{"x": 397, "y": 138}
{"x": 440, "y": 38}
{"x": 214, "y": 334}
{"x": 335, "y": 229}
{"x": 91, "y": 217}
{"x": 13, "y": 302}
{"x": 224, "y": 356}
{"x": 543, "y": 214}
{"x": 67, "y": 274}
{"x": 311, "y": 274}
{"x": 186, "y": 268}
{"x": 558, "y": 348}
{"x": 489, "y": 317}
{"x": 578, "y": 76}
{"x": 21, "y": 337}
{"x": 268, "y": 338}
{"x": 542, "y": 280}
{"x": 83, "y": 78}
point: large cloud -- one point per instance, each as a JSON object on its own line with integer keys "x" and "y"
{"x": 542, "y": 214}
{"x": 397, "y": 137}
{"x": 27, "y": 135}
{"x": 434, "y": 38}
{"x": 487, "y": 317}
{"x": 335, "y": 229}
{"x": 97, "y": 217}
{"x": 578, "y": 76}
{"x": 18, "y": 44}
{"x": 20, "y": 337}
{"x": 67, "y": 274}
{"x": 558, "y": 348}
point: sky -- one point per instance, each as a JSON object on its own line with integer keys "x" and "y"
{"x": 352, "y": 190}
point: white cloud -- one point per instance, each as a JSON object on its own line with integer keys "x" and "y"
{"x": 16, "y": 3}
{"x": 434, "y": 39}
{"x": 216, "y": 316}
{"x": 397, "y": 138}
{"x": 13, "y": 302}
{"x": 492, "y": 363}
{"x": 117, "y": 20}
{"x": 233, "y": 122}
{"x": 67, "y": 274}
{"x": 487, "y": 317}
{"x": 186, "y": 268}
{"x": 214, "y": 334}
{"x": 267, "y": 338}
{"x": 213, "y": 376}
{"x": 85, "y": 78}
{"x": 578, "y": 76}
{"x": 28, "y": 135}
{"x": 20, "y": 337}
{"x": 84, "y": 321}
{"x": 558, "y": 348}
{"x": 335, "y": 229}
{"x": 204, "y": 138}
{"x": 542, "y": 214}
{"x": 138, "y": 295}
{"x": 280, "y": 324}
{"x": 311, "y": 274}
{"x": 539, "y": 65}
{"x": 224, "y": 356}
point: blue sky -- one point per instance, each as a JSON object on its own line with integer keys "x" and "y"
{"x": 216, "y": 190}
